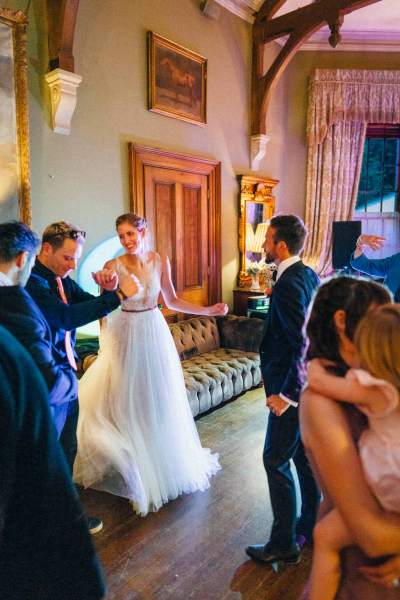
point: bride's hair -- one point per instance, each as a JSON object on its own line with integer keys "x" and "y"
{"x": 138, "y": 222}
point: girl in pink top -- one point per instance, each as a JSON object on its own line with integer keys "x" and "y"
{"x": 374, "y": 389}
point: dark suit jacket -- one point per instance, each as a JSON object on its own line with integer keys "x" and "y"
{"x": 22, "y": 317}
{"x": 45, "y": 548}
{"x": 82, "y": 308}
{"x": 283, "y": 342}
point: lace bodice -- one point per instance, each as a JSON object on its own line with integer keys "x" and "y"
{"x": 149, "y": 283}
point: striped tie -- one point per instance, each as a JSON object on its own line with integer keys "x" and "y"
{"x": 68, "y": 345}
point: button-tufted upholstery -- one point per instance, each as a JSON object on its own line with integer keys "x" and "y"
{"x": 196, "y": 335}
{"x": 219, "y": 358}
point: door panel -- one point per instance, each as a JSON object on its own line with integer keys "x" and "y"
{"x": 180, "y": 195}
{"x": 177, "y": 213}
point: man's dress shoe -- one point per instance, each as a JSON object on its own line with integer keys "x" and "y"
{"x": 266, "y": 554}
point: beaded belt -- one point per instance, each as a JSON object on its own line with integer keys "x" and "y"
{"x": 138, "y": 311}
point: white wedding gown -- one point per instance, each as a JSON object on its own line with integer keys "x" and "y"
{"x": 136, "y": 434}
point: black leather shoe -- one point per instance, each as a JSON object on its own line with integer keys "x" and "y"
{"x": 266, "y": 554}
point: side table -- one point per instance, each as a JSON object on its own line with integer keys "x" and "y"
{"x": 240, "y": 296}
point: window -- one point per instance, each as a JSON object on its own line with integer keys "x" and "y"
{"x": 379, "y": 181}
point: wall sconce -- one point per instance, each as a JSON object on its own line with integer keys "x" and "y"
{"x": 63, "y": 87}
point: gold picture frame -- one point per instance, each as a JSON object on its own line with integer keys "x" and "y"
{"x": 177, "y": 80}
{"x": 14, "y": 128}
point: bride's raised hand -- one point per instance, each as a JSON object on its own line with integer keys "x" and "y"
{"x": 217, "y": 310}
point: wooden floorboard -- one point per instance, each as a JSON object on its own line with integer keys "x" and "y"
{"x": 193, "y": 548}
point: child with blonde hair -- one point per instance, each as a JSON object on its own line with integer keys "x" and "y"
{"x": 374, "y": 390}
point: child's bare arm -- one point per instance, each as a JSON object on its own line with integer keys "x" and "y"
{"x": 331, "y": 386}
{"x": 344, "y": 389}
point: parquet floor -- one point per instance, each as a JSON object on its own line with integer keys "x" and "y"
{"x": 193, "y": 548}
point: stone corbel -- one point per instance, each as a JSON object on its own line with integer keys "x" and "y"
{"x": 63, "y": 94}
{"x": 258, "y": 147}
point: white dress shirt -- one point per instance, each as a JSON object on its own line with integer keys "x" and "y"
{"x": 4, "y": 280}
{"x": 285, "y": 264}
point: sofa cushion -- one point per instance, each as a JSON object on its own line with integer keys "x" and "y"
{"x": 195, "y": 336}
{"x": 218, "y": 376}
{"x": 241, "y": 333}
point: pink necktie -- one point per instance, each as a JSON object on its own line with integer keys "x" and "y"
{"x": 68, "y": 345}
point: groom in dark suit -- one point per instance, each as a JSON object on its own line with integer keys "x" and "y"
{"x": 281, "y": 354}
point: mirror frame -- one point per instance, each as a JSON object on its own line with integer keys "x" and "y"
{"x": 18, "y": 22}
{"x": 258, "y": 190}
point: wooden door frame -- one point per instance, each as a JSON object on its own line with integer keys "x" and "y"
{"x": 141, "y": 156}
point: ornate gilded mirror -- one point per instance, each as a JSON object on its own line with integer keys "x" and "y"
{"x": 257, "y": 205}
{"x": 14, "y": 142}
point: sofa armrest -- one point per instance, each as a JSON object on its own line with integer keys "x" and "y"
{"x": 242, "y": 333}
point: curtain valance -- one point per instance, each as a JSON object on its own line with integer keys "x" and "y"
{"x": 345, "y": 95}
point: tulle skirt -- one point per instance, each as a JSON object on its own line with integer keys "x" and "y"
{"x": 136, "y": 434}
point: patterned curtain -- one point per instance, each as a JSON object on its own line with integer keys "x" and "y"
{"x": 342, "y": 103}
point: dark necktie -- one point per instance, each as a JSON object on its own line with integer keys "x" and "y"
{"x": 68, "y": 344}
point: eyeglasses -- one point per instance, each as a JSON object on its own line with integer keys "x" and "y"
{"x": 72, "y": 234}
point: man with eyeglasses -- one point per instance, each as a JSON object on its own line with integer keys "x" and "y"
{"x": 67, "y": 306}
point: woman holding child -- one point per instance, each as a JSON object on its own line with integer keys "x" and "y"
{"x": 356, "y": 513}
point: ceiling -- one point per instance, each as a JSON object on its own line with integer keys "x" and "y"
{"x": 375, "y": 27}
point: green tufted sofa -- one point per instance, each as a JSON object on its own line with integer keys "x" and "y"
{"x": 219, "y": 357}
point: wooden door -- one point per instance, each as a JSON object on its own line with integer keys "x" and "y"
{"x": 179, "y": 196}
{"x": 176, "y": 210}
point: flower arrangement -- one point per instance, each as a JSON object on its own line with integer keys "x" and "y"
{"x": 254, "y": 267}
{"x": 267, "y": 270}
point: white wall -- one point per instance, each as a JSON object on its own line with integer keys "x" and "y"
{"x": 83, "y": 177}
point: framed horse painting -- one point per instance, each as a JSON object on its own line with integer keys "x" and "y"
{"x": 177, "y": 80}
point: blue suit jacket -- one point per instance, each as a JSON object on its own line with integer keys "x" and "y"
{"x": 388, "y": 268}
{"x": 283, "y": 342}
{"x": 82, "y": 308}
{"x": 22, "y": 317}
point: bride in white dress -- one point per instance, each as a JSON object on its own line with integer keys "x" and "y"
{"x": 136, "y": 434}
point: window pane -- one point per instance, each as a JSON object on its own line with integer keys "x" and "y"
{"x": 390, "y": 161}
{"x": 379, "y": 175}
{"x": 361, "y": 201}
{"x": 389, "y": 202}
{"x": 364, "y": 168}
{"x": 374, "y": 201}
{"x": 375, "y": 173}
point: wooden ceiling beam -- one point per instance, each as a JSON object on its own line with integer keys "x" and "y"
{"x": 299, "y": 25}
{"x": 319, "y": 12}
{"x": 61, "y": 16}
{"x": 268, "y": 10}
